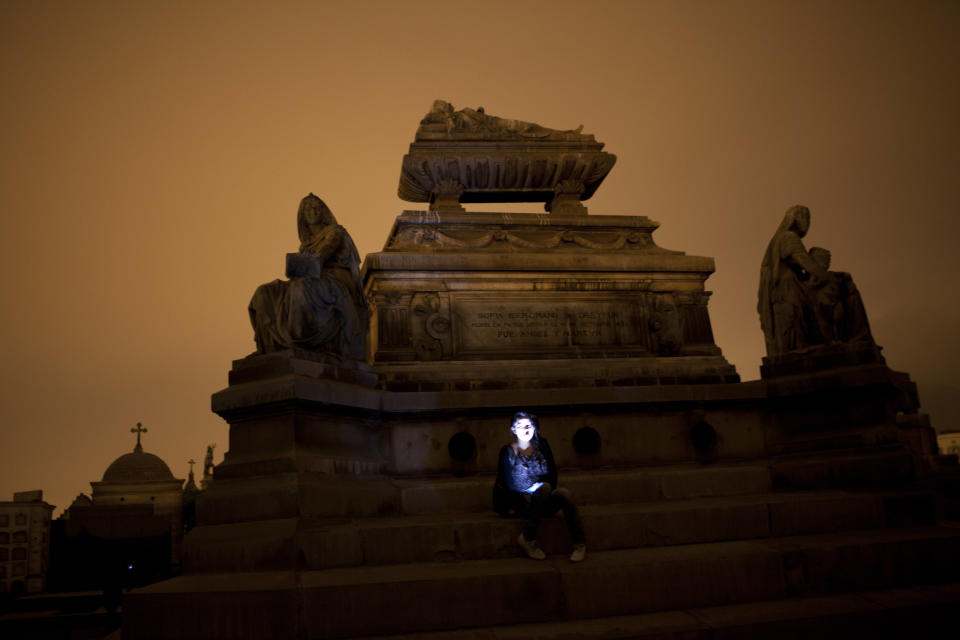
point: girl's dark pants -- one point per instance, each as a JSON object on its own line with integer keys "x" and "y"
{"x": 544, "y": 503}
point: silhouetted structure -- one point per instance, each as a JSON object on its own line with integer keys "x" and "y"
{"x": 129, "y": 533}
{"x": 24, "y": 543}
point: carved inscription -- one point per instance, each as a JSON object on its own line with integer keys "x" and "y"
{"x": 486, "y": 325}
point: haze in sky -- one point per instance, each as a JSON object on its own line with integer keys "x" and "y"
{"x": 154, "y": 154}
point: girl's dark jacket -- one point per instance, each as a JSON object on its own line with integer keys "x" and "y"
{"x": 509, "y": 498}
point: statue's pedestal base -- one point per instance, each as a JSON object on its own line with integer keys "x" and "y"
{"x": 342, "y": 510}
{"x": 821, "y": 358}
{"x": 465, "y": 301}
{"x": 257, "y": 367}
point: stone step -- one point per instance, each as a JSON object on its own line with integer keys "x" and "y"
{"x": 319, "y": 495}
{"x": 670, "y": 482}
{"x": 316, "y": 495}
{"x": 852, "y": 469}
{"x": 341, "y": 603}
{"x": 892, "y": 614}
{"x": 451, "y": 536}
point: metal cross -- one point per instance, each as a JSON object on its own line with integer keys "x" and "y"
{"x": 138, "y": 430}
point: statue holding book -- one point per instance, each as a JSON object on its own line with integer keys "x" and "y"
{"x": 321, "y": 307}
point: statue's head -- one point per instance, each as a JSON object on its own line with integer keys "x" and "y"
{"x": 821, "y": 256}
{"x": 799, "y": 217}
{"x": 442, "y": 106}
{"x": 312, "y": 214}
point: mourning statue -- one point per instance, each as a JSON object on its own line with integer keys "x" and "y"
{"x": 786, "y": 316}
{"x": 802, "y": 304}
{"x": 321, "y": 307}
{"x": 838, "y": 306}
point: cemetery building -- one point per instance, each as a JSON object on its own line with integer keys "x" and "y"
{"x": 129, "y": 531}
{"x": 24, "y": 543}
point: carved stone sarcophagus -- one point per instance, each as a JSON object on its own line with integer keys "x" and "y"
{"x": 469, "y": 156}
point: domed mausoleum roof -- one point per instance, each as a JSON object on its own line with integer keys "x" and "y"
{"x": 138, "y": 466}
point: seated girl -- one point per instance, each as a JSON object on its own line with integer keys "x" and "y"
{"x": 526, "y": 486}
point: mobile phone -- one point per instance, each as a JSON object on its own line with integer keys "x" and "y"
{"x": 534, "y": 487}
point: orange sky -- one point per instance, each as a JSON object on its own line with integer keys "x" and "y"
{"x": 154, "y": 155}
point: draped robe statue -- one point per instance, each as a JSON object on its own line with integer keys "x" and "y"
{"x": 801, "y": 303}
{"x": 786, "y": 316}
{"x": 838, "y": 306}
{"x": 321, "y": 307}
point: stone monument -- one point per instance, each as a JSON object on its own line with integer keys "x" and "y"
{"x": 354, "y": 499}
{"x": 812, "y": 318}
{"x": 500, "y": 300}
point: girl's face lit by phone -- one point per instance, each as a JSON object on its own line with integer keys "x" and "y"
{"x": 524, "y": 430}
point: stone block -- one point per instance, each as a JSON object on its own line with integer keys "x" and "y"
{"x": 853, "y": 561}
{"x": 324, "y": 547}
{"x": 839, "y": 616}
{"x": 243, "y": 500}
{"x": 687, "y": 482}
{"x": 341, "y": 603}
{"x": 866, "y": 469}
{"x": 822, "y": 513}
{"x": 673, "y": 524}
{"x": 670, "y": 578}
{"x": 259, "y": 605}
{"x": 263, "y": 545}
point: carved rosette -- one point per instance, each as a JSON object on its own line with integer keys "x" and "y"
{"x": 430, "y": 326}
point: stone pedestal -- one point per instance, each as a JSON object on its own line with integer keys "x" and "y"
{"x": 820, "y": 358}
{"x": 335, "y": 497}
{"x": 487, "y": 300}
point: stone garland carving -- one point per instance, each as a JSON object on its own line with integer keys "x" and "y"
{"x": 431, "y": 236}
{"x": 803, "y": 305}
{"x": 322, "y": 306}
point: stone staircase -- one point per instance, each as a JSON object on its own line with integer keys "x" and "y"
{"x": 830, "y": 543}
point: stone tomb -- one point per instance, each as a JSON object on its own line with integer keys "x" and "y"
{"x": 501, "y": 300}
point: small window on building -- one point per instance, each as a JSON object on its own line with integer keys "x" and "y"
{"x": 20, "y": 519}
{"x": 19, "y": 553}
{"x": 4, "y": 520}
{"x": 4, "y": 555}
{"x": 19, "y": 569}
{"x": 19, "y": 536}
{"x": 3, "y": 572}
{"x": 4, "y": 537}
